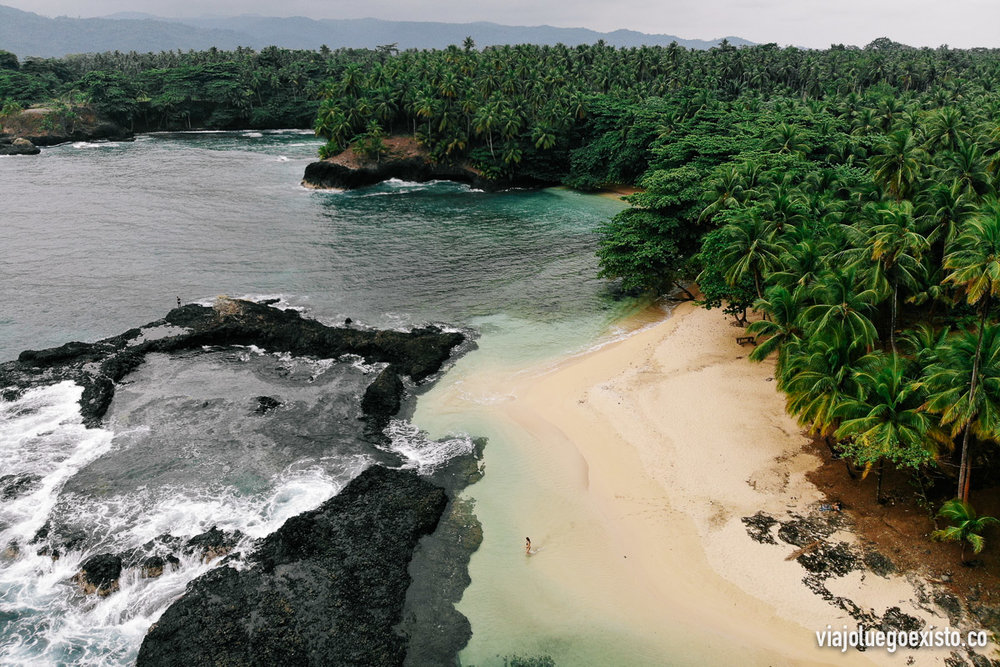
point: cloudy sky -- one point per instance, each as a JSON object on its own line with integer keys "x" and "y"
{"x": 812, "y": 23}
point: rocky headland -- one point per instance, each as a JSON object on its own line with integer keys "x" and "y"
{"x": 404, "y": 159}
{"x": 333, "y": 584}
{"x": 44, "y": 126}
{"x": 327, "y": 588}
{"x": 97, "y": 367}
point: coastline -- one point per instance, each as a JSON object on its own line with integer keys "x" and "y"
{"x": 631, "y": 467}
{"x": 619, "y": 191}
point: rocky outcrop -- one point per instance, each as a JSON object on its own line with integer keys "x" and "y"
{"x": 327, "y": 588}
{"x": 12, "y": 486}
{"x": 266, "y": 404}
{"x": 154, "y": 566}
{"x": 212, "y": 544}
{"x": 383, "y": 397}
{"x": 327, "y": 174}
{"x": 97, "y": 367}
{"x": 99, "y": 574}
{"x": 49, "y": 126}
{"x": 17, "y": 146}
{"x": 404, "y": 159}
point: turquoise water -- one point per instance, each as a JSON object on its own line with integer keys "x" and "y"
{"x": 98, "y": 238}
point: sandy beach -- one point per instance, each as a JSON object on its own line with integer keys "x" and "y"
{"x": 631, "y": 467}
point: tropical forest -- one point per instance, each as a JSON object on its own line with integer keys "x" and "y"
{"x": 846, "y": 196}
{"x": 832, "y": 215}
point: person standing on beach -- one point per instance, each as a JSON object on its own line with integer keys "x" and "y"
{"x": 527, "y": 546}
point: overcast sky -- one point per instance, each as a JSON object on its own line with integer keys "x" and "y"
{"x": 812, "y": 23}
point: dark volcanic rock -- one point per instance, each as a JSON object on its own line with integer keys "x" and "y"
{"x": 759, "y": 527}
{"x": 265, "y": 404}
{"x": 326, "y": 174}
{"x": 383, "y": 396}
{"x": 213, "y": 543}
{"x": 12, "y": 486}
{"x": 154, "y": 566}
{"x": 97, "y": 367}
{"x": 18, "y": 146}
{"x": 878, "y": 563}
{"x": 418, "y": 353}
{"x": 829, "y": 559}
{"x": 58, "y": 539}
{"x": 53, "y": 356}
{"x": 327, "y": 588}
{"x": 404, "y": 158}
{"x": 435, "y": 630}
{"x": 99, "y": 574}
{"x": 895, "y": 619}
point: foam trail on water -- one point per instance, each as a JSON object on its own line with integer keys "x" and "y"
{"x": 44, "y": 617}
{"x": 421, "y": 452}
{"x": 42, "y": 435}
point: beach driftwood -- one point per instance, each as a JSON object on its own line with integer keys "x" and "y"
{"x": 804, "y": 550}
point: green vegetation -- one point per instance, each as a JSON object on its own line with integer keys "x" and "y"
{"x": 966, "y": 528}
{"x": 847, "y": 196}
{"x": 214, "y": 89}
{"x": 851, "y": 201}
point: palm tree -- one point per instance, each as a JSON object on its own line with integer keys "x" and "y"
{"x": 975, "y": 266}
{"x": 803, "y": 264}
{"x": 843, "y": 307}
{"x": 782, "y": 325}
{"x": 967, "y": 166}
{"x": 788, "y": 139}
{"x": 752, "y": 249}
{"x": 963, "y": 387}
{"x": 725, "y": 190}
{"x": 897, "y": 166}
{"x": 944, "y": 130}
{"x": 967, "y": 529}
{"x": 944, "y": 209}
{"x": 885, "y": 420}
{"x": 817, "y": 378}
{"x": 895, "y": 247}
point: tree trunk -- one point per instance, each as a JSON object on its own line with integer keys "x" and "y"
{"x": 878, "y": 481}
{"x": 965, "y": 466}
{"x": 685, "y": 290}
{"x": 892, "y": 317}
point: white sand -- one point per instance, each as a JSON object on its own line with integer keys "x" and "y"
{"x": 630, "y": 468}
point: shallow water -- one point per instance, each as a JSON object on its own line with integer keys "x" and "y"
{"x": 98, "y": 238}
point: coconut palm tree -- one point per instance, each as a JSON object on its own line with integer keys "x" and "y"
{"x": 967, "y": 528}
{"x": 897, "y": 166}
{"x": 816, "y": 378}
{"x": 842, "y": 306}
{"x": 885, "y": 422}
{"x": 963, "y": 387}
{"x": 975, "y": 267}
{"x": 895, "y": 248}
{"x": 782, "y": 324}
{"x": 752, "y": 249}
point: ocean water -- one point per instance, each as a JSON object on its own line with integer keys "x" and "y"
{"x": 97, "y": 238}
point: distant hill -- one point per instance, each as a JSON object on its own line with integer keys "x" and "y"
{"x": 28, "y": 34}
{"x": 307, "y": 33}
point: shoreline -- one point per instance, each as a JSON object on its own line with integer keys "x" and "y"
{"x": 619, "y": 191}
{"x": 632, "y": 466}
